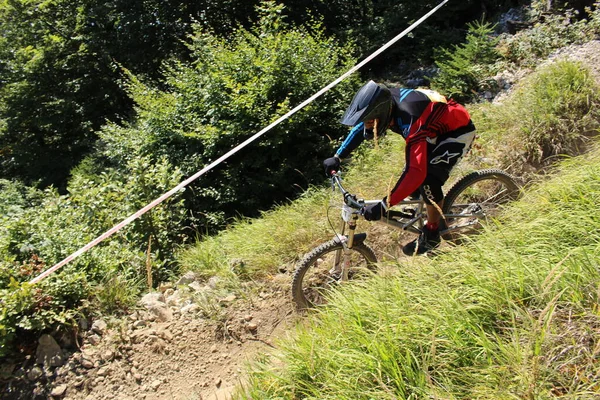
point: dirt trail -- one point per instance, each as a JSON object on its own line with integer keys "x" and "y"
{"x": 191, "y": 357}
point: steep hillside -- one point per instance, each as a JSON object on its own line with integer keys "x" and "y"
{"x": 512, "y": 313}
{"x": 192, "y": 340}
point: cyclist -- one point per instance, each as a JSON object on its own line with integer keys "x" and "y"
{"x": 438, "y": 133}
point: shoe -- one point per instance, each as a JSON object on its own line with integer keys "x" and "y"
{"x": 427, "y": 241}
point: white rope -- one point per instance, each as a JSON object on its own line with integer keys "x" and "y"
{"x": 224, "y": 157}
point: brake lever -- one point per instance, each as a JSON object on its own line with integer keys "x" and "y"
{"x": 333, "y": 174}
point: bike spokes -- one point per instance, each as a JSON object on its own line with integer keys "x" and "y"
{"x": 475, "y": 199}
{"x": 322, "y": 270}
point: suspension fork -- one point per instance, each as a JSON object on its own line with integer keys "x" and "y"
{"x": 342, "y": 257}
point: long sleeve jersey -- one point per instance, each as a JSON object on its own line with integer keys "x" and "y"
{"x": 420, "y": 116}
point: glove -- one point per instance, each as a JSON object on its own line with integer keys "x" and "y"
{"x": 331, "y": 164}
{"x": 374, "y": 212}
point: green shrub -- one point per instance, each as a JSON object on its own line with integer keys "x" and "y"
{"x": 116, "y": 293}
{"x": 40, "y": 228}
{"x": 50, "y": 306}
{"x": 231, "y": 90}
{"x": 54, "y": 226}
{"x": 467, "y": 68}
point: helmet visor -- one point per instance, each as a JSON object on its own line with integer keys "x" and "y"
{"x": 372, "y": 101}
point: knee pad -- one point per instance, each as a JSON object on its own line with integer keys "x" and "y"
{"x": 431, "y": 190}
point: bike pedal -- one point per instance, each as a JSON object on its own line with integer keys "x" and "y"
{"x": 409, "y": 211}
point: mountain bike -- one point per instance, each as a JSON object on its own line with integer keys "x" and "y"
{"x": 473, "y": 199}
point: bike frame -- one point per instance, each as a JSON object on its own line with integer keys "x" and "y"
{"x": 351, "y": 212}
{"x": 471, "y": 199}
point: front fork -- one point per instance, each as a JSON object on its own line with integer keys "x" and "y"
{"x": 341, "y": 264}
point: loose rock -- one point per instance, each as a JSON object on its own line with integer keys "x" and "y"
{"x": 58, "y": 391}
{"x": 49, "y": 352}
{"x": 35, "y": 373}
{"x": 187, "y": 278}
{"x": 99, "y": 326}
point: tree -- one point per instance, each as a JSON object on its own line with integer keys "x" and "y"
{"x": 370, "y": 24}
{"x": 60, "y": 72}
{"x": 61, "y": 61}
{"x": 466, "y": 69}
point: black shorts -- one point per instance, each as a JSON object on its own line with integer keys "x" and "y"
{"x": 443, "y": 154}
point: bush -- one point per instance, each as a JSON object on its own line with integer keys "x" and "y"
{"x": 204, "y": 110}
{"x": 40, "y": 228}
{"x": 231, "y": 90}
{"x": 27, "y": 309}
{"x": 466, "y": 69}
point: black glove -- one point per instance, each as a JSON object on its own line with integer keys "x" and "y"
{"x": 331, "y": 164}
{"x": 374, "y": 212}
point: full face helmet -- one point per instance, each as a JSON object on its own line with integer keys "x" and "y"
{"x": 372, "y": 101}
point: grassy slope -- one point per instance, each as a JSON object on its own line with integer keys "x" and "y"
{"x": 512, "y": 314}
{"x": 535, "y": 120}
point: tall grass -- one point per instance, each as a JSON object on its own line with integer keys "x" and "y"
{"x": 511, "y": 314}
{"x": 259, "y": 247}
{"x": 548, "y": 114}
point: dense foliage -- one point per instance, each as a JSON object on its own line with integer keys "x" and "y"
{"x": 42, "y": 227}
{"x": 232, "y": 89}
{"x": 206, "y": 107}
{"x": 61, "y": 61}
{"x": 372, "y": 23}
{"x": 467, "y": 69}
{"x": 59, "y": 76}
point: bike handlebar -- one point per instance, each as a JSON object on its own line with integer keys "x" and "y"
{"x": 349, "y": 199}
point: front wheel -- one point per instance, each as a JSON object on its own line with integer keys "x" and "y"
{"x": 319, "y": 270}
{"x": 474, "y": 198}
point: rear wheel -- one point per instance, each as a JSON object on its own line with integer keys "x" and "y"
{"x": 317, "y": 273}
{"x": 474, "y": 198}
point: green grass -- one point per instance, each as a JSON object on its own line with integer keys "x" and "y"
{"x": 551, "y": 110}
{"x": 549, "y": 113}
{"x": 255, "y": 248}
{"x": 511, "y": 314}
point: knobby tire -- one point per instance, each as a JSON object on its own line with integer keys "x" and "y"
{"x": 492, "y": 180}
{"x": 310, "y": 294}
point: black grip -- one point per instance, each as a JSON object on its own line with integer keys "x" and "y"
{"x": 350, "y": 200}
